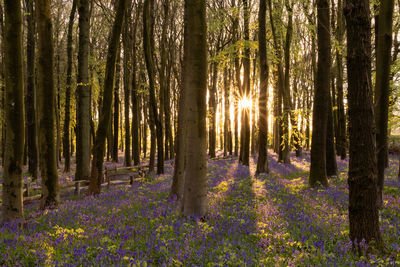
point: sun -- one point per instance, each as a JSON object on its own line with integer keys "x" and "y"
{"x": 245, "y": 102}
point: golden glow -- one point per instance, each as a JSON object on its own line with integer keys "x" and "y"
{"x": 245, "y": 103}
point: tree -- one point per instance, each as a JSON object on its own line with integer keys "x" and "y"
{"x": 194, "y": 85}
{"x": 262, "y": 162}
{"x": 83, "y": 95}
{"x": 320, "y": 111}
{"x": 46, "y": 106}
{"x": 382, "y": 88}
{"x": 96, "y": 176}
{"x": 12, "y": 200}
{"x": 127, "y": 85}
{"x": 362, "y": 179}
{"x": 31, "y": 93}
{"x": 66, "y": 149}
{"x": 245, "y": 93}
{"x": 148, "y": 45}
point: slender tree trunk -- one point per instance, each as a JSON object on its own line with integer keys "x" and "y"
{"x": 46, "y": 106}
{"x": 12, "y": 199}
{"x": 320, "y": 111}
{"x": 31, "y": 93}
{"x": 212, "y": 104}
{"x": 127, "y": 85}
{"x": 331, "y": 164}
{"x": 363, "y": 210}
{"x": 245, "y": 112}
{"x": 135, "y": 100}
{"x": 262, "y": 162}
{"x": 115, "y": 134}
{"x": 180, "y": 147}
{"x": 66, "y": 147}
{"x": 286, "y": 88}
{"x": 148, "y": 45}
{"x": 195, "y": 82}
{"x": 341, "y": 140}
{"x": 382, "y": 88}
{"x": 227, "y": 121}
{"x": 83, "y": 96}
{"x": 105, "y": 115}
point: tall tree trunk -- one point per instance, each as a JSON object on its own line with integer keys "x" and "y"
{"x": 46, "y": 106}
{"x": 331, "y": 164}
{"x": 83, "y": 96}
{"x": 320, "y": 110}
{"x": 105, "y": 115}
{"x": 135, "y": 99}
{"x": 148, "y": 45}
{"x": 66, "y": 148}
{"x": 341, "y": 140}
{"x": 31, "y": 93}
{"x": 262, "y": 162}
{"x": 180, "y": 146}
{"x": 363, "y": 210}
{"x": 382, "y": 88}
{"x": 195, "y": 82}
{"x": 212, "y": 104}
{"x": 127, "y": 85}
{"x": 115, "y": 133}
{"x": 286, "y": 88}
{"x": 12, "y": 199}
{"x": 227, "y": 121}
{"x": 245, "y": 120}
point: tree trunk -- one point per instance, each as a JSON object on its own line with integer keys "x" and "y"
{"x": 12, "y": 199}
{"x": 245, "y": 112}
{"x": 46, "y": 106}
{"x": 115, "y": 134}
{"x": 195, "y": 82}
{"x": 227, "y": 121}
{"x": 31, "y": 93}
{"x": 148, "y": 46}
{"x": 262, "y": 162}
{"x": 105, "y": 115}
{"x": 363, "y": 210}
{"x": 320, "y": 110}
{"x": 135, "y": 100}
{"x": 180, "y": 147}
{"x": 212, "y": 105}
{"x": 83, "y": 96}
{"x": 127, "y": 85}
{"x": 66, "y": 148}
{"x": 382, "y": 89}
{"x": 341, "y": 140}
{"x": 331, "y": 164}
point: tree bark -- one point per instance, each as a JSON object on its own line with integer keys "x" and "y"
{"x": 115, "y": 133}
{"x": 331, "y": 164}
{"x": 105, "y": 114}
{"x": 46, "y": 106}
{"x": 135, "y": 99}
{"x": 148, "y": 45}
{"x": 382, "y": 88}
{"x": 363, "y": 210}
{"x": 83, "y": 96}
{"x": 12, "y": 199}
{"x": 66, "y": 137}
{"x": 31, "y": 93}
{"x": 245, "y": 112}
{"x": 212, "y": 105}
{"x": 320, "y": 110}
{"x": 195, "y": 82}
{"x": 262, "y": 162}
{"x": 127, "y": 85}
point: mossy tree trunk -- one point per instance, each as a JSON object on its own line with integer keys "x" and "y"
{"x": 46, "y": 106}
{"x": 12, "y": 200}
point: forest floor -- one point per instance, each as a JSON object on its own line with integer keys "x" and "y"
{"x": 272, "y": 219}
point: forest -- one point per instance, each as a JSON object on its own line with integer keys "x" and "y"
{"x": 200, "y": 133}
